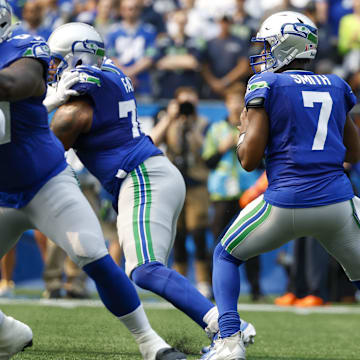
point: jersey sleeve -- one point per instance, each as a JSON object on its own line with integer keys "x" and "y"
{"x": 259, "y": 86}
{"x": 90, "y": 81}
{"x": 350, "y": 97}
{"x": 36, "y": 48}
{"x": 27, "y": 46}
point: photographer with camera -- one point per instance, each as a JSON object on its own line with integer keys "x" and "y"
{"x": 182, "y": 130}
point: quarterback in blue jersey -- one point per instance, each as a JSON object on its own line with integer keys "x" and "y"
{"x": 299, "y": 121}
{"x": 39, "y": 191}
{"x": 101, "y": 124}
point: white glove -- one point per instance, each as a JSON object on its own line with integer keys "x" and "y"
{"x": 60, "y": 94}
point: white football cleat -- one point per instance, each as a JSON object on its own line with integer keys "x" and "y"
{"x": 153, "y": 347}
{"x": 15, "y": 336}
{"x": 247, "y": 329}
{"x": 229, "y": 348}
{"x": 248, "y": 332}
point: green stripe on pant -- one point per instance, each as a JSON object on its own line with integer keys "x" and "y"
{"x": 148, "y": 200}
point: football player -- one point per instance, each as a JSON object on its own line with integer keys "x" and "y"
{"x": 38, "y": 190}
{"x": 101, "y": 124}
{"x": 299, "y": 121}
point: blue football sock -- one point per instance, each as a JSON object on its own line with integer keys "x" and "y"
{"x": 115, "y": 289}
{"x": 173, "y": 287}
{"x": 226, "y": 286}
{"x": 357, "y": 284}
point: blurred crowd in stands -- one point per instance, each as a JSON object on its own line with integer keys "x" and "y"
{"x": 197, "y": 43}
{"x": 183, "y": 52}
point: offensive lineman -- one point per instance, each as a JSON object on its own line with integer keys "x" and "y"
{"x": 102, "y": 125}
{"x": 38, "y": 190}
{"x": 299, "y": 121}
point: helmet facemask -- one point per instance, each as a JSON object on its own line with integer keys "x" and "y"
{"x": 265, "y": 59}
{"x": 5, "y": 20}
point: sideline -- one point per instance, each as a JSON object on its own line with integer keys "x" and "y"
{"x": 162, "y": 305}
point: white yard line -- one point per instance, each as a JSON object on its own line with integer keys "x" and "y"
{"x": 164, "y": 305}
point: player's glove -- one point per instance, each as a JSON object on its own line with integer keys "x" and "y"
{"x": 60, "y": 94}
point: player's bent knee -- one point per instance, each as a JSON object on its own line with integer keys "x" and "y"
{"x": 220, "y": 254}
{"x": 145, "y": 274}
{"x": 87, "y": 248}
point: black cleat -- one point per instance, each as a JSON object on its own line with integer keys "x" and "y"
{"x": 170, "y": 354}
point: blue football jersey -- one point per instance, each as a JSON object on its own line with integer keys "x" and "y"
{"x": 305, "y": 150}
{"x": 130, "y": 46}
{"x": 30, "y": 154}
{"x": 115, "y": 144}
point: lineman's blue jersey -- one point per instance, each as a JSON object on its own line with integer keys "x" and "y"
{"x": 305, "y": 151}
{"x": 30, "y": 154}
{"x": 115, "y": 144}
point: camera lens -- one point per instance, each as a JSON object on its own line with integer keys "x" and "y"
{"x": 186, "y": 108}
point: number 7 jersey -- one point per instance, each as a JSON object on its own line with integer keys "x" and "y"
{"x": 305, "y": 150}
{"x": 115, "y": 144}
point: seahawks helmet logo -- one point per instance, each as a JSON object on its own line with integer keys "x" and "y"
{"x": 89, "y": 46}
{"x": 302, "y": 30}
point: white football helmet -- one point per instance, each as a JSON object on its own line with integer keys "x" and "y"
{"x": 286, "y": 36}
{"x": 5, "y": 20}
{"x": 76, "y": 44}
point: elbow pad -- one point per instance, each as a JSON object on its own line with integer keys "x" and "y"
{"x": 256, "y": 103}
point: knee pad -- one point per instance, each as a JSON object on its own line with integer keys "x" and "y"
{"x": 86, "y": 248}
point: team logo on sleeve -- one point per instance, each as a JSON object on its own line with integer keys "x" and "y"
{"x": 86, "y": 78}
{"x": 257, "y": 85}
{"x": 38, "y": 50}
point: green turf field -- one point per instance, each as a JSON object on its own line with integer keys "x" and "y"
{"x": 92, "y": 333}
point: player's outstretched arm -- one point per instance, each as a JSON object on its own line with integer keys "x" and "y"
{"x": 22, "y": 79}
{"x": 71, "y": 120}
{"x": 351, "y": 141}
{"x": 254, "y": 132}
